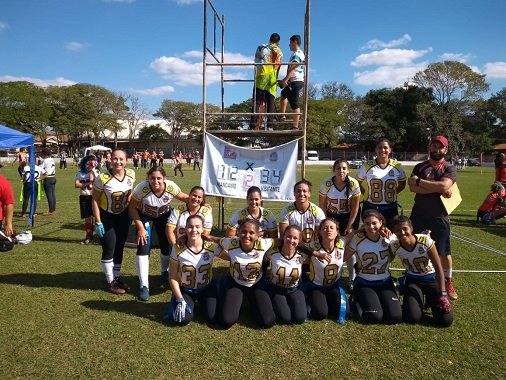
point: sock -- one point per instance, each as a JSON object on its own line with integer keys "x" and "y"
{"x": 107, "y": 268}
{"x": 164, "y": 263}
{"x": 89, "y": 230}
{"x": 350, "y": 264}
{"x": 448, "y": 273}
{"x": 142, "y": 266}
{"x": 116, "y": 270}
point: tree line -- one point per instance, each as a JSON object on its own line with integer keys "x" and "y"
{"x": 445, "y": 98}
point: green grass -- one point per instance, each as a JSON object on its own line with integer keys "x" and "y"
{"x": 57, "y": 321}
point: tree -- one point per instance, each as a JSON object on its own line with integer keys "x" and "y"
{"x": 451, "y": 81}
{"x": 497, "y": 107}
{"x": 183, "y": 117}
{"x": 324, "y": 118}
{"x": 334, "y": 90}
{"x": 134, "y": 114}
{"x": 312, "y": 91}
{"x": 24, "y": 106}
{"x": 153, "y": 133}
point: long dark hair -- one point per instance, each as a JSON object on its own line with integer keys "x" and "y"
{"x": 347, "y": 181}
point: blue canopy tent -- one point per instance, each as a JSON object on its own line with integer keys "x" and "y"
{"x": 11, "y": 138}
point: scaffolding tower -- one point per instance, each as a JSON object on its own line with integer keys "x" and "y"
{"x": 219, "y": 123}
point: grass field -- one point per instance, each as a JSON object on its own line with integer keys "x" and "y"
{"x": 56, "y": 320}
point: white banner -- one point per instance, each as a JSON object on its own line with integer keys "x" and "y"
{"x": 229, "y": 170}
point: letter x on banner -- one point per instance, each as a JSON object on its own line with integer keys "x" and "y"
{"x": 229, "y": 170}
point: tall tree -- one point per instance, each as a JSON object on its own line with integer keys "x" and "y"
{"x": 335, "y": 90}
{"x": 312, "y": 91}
{"x": 497, "y": 106}
{"x": 451, "y": 81}
{"x": 324, "y": 118}
{"x": 153, "y": 133}
{"x": 134, "y": 115}
{"x": 24, "y": 106}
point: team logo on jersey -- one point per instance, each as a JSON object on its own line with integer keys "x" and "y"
{"x": 310, "y": 220}
{"x": 391, "y": 173}
{"x": 421, "y": 250}
{"x": 384, "y": 243}
{"x": 338, "y": 254}
{"x": 205, "y": 256}
{"x": 297, "y": 260}
{"x": 129, "y": 182}
{"x": 165, "y": 198}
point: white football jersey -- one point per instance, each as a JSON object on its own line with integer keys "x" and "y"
{"x": 381, "y": 184}
{"x": 246, "y": 267}
{"x": 285, "y": 272}
{"x": 180, "y": 215}
{"x": 85, "y": 178}
{"x": 267, "y": 220}
{"x": 416, "y": 261}
{"x": 48, "y": 166}
{"x": 338, "y": 202}
{"x": 151, "y": 204}
{"x": 373, "y": 257}
{"x": 195, "y": 267}
{"x": 325, "y": 273}
{"x": 308, "y": 220}
{"x": 115, "y": 193}
{"x": 38, "y": 173}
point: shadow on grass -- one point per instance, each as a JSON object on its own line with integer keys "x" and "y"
{"x": 498, "y": 229}
{"x": 69, "y": 280}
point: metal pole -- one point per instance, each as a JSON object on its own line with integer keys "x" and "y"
{"x": 204, "y": 49}
{"x": 306, "y": 81}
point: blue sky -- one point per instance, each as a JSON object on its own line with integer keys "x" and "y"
{"x": 152, "y": 49}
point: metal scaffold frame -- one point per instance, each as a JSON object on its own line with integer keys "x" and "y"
{"x": 217, "y": 53}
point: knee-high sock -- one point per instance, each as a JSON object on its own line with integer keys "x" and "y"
{"x": 107, "y": 268}
{"x": 142, "y": 265}
{"x": 164, "y": 263}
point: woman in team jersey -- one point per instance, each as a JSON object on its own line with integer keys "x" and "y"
{"x": 424, "y": 277}
{"x": 286, "y": 260}
{"x": 381, "y": 180}
{"x": 254, "y": 210}
{"x": 246, "y": 254}
{"x": 176, "y": 223}
{"x": 84, "y": 181}
{"x": 325, "y": 291}
{"x": 191, "y": 274}
{"x": 151, "y": 202}
{"x": 340, "y": 199}
{"x": 110, "y": 198}
{"x": 374, "y": 295}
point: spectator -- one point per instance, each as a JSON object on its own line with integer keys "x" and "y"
{"x": 493, "y": 206}
{"x": 63, "y": 160}
{"x": 293, "y": 82}
{"x": 500, "y": 168}
{"x": 196, "y": 160}
{"x": 6, "y": 206}
{"x": 49, "y": 167}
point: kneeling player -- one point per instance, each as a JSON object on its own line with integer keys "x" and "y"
{"x": 424, "y": 274}
{"x": 190, "y": 275}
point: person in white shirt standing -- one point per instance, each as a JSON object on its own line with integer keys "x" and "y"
{"x": 49, "y": 183}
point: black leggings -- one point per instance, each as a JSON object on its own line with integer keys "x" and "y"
{"x": 377, "y": 304}
{"x": 413, "y": 302}
{"x": 258, "y": 298}
{"x": 26, "y": 196}
{"x": 116, "y": 231}
{"x": 289, "y": 305}
{"x": 325, "y": 302}
{"x": 50, "y": 190}
{"x": 159, "y": 225}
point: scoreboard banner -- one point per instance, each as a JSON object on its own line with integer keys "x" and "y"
{"x": 229, "y": 170}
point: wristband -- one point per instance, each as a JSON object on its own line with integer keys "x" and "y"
{"x": 443, "y": 293}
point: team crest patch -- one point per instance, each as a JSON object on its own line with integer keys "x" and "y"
{"x": 310, "y": 220}
{"x": 421, "y": 250}
{"x": 391, "y": 173}
{"x": 165, "y": 198}
{"x": 205, "y": 256}
{"x": 384, "y": 243}
{"x": 129, "y": 182}
{"x": 297, "y": 260}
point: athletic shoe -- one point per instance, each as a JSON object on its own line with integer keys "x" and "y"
{"x": 121, "y": 284}
{"x": 114, "y": 288}
{"x": 144, "y": 294}
{"x": 49, "y": 213}
{"x": 165, "y": 276}
{"x": 450, "y": 289}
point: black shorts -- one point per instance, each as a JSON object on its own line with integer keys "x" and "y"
{"x": 293, "y": 92}
{"x": 439, "y": 231}
{"x": 85, "y": 206}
